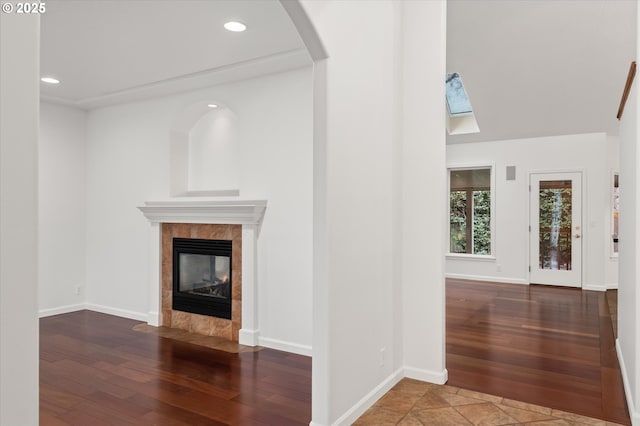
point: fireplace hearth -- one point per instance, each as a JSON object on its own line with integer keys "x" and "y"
{"x": 202, "y": 276}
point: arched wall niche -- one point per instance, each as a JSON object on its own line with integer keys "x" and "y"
{"x": 204, "y": 151}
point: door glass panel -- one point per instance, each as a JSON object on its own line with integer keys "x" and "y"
{"x": 555, "y": 225}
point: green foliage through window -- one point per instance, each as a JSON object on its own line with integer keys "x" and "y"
{"x": 555, "y": 225}
{"x": 470, "y": 212}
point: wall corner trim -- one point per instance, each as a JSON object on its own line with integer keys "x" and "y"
{"x": 124, "y": 313}
{"x": 43, "y": 313}
{"x": 368, "y": 400}
{"x": 633, "y": 414}
{"x": 437, "y": 377}
{"x": 592, "y": 287}
{"x": 488, "y": 278}
{"x": 281, "y": 345}
{"x": 153, "y": 318}
{"x": 248, "y": 337}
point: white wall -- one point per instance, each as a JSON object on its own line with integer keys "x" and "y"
{"x": 370, "y": 205}
{"x": 360, "y": 277}
{"x": 19, "y": 69}
{"x": 214, "y": 154}
{"x": 628, "y": 294}
{"x": 61, "y": 215}
{"x": 587, "y": 153}
{"x": 424, "y": 182}
{"x": 128, "y": 163}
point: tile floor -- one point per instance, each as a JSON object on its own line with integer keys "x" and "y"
{"x": 415, "y": 403}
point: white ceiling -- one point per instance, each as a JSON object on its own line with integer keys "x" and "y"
{"x": 531, "y": 67}
{"x": 541, "y": 67}
{"x": 112, "y": 51}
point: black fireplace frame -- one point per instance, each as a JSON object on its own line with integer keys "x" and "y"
{"x": 204, "y": 305}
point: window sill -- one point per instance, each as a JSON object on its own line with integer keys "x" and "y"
{"x": 474, "y": 257}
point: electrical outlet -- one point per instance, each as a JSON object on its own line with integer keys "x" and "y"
{"x": 78, "y": 290}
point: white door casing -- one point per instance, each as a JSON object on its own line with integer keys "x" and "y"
{"x": 556, "y": 229}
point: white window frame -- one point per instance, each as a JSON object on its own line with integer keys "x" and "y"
{"x": 492, "y": 224}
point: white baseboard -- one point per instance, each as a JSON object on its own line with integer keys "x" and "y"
{"x": 248, "y": 337}
{"x": 153, "y": 318}
{"x": 61, "y": 310}
{"x": 611, "y": 286}
{"x": 363, "y": 405}
{"x": 487, "y": 278}
{"x": 139, "y": 316}
{"x": 635, "y": 416}
{"x": 592, "y": 287}
{"x": 284, "y": 346}
{"x": 437, "y": 377}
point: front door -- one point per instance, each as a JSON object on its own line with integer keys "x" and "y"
{"x": 556, "y": 229}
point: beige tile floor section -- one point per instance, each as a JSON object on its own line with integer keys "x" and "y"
{"x": 415, "y": 403}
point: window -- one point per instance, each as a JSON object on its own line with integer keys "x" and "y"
{"x": 460, "y": 119}
{"x": 457, "y": 99}
{"x": 470, "y": 224}
{"x": 615, "y": 207}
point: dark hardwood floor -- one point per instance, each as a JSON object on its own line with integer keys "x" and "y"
{"x": 95, "y": 370}
{"x": 543, "y": 345}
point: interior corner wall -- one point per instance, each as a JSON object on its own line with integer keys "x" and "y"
{"x": 586, "y": 153}
{"x": 128, "y": 158}
{"x": 19, "y": 79}
{"x": 360, "y": 132}
{"x": 423, "y": 190}
{"x": 61, "y": 214}
{"x": 375, "y": 169}
{"x": 628, "y": 294}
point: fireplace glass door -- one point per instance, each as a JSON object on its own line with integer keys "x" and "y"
{"x": 202, "y": 276}
{"x": 205, "y": 275}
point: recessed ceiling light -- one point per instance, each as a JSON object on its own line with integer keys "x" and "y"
{"x": 50, "y": 80}
{"x": 212, "y": 106}
{"x": 236, "y": 27}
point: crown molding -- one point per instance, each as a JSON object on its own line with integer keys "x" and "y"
{"x": 271, "y": 64}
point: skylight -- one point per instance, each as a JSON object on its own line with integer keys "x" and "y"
{"x": 458, "y": 102}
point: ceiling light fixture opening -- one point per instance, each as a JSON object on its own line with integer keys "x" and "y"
{"x": 50, "y": 80}
{"x": 236, "y": 27}
{"x": 212, "y": 106}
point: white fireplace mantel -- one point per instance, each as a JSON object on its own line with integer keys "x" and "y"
{"x": 248, "y": 213}
{"x": 228, "y": 212}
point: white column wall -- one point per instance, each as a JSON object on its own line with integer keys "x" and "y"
{"x": 628, "y": 295}
{"x": 424, "y": 195}
{"x": 61, "y": 216}
{"x": 359, "y": 137}
{"x": 19, "y": 69}
{"x": 363, "y": 194}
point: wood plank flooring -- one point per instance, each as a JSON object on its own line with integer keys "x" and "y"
{"x": 549, "y": 346}
{"x": 95, "y": 370}
{"x": 544, "y": 345}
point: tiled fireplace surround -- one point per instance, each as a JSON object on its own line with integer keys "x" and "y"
{"x": 238, "y": 221}
{"x": 195, "y": 323}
